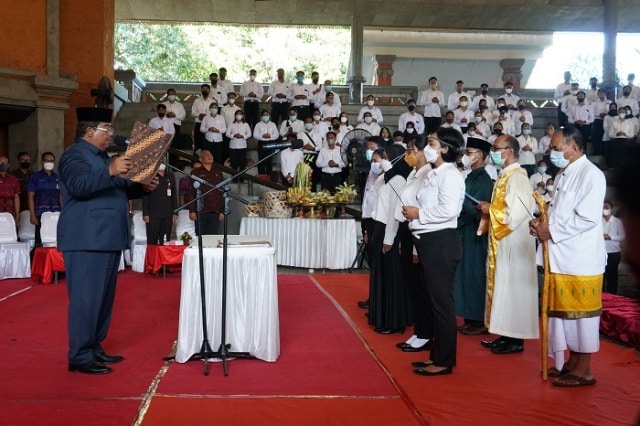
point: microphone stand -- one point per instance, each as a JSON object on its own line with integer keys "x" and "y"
{"x": 206, "y": 352}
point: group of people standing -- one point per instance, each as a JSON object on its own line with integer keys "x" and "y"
{"x": 443, "y": 245}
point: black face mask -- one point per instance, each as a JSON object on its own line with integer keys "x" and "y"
{"x": 25, "y": 164}
{"x": 613, "y": 112}
{"x": 497, "y": 131}
{"x": 214, "y": 82}
{"x": 412, "y": 107}
{"x": 580, "y": 99}
{"x": 521, "y": 107}
{"x": 205, "y": 94}
{"x": 161, "y": 115}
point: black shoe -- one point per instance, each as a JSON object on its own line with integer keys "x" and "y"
{"x": 426, "y": 347}
{"x": 382, "y": 330}
{"x": 492, "y": 343}
{"x": 508, "y": 348}
{"x": 402, "y": 345}
{"x": 364, "y": 304}
{"x": 421, "y": 364}
{"x": 91, "y": 367}
{"x": 105, "y": 358}
{"x": 422, "y": 371}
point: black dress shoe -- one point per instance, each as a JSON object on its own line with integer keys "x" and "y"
{"x": 382, "y": 330}
{"x": 421, "y": 364}
{"x": 364, "y": 304}
{"x": 492, "y": 343}
{"x": 402, "y": 345}
{"x": 426, "y": 347}
{"x": 422, "y": 371}
{"x": 91, "y": 367}
{"x": 105, "y": 358}
{"x": 508, "y": 348}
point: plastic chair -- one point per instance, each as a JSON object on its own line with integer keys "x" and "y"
{"x": 7, "y": 228}
{"x": 26, "y": 230}
{"x": 184, "y": 224}
{"x": 14, "y": 256}
{"x": 49, "y": 229}
{"x": 139, "y": 243}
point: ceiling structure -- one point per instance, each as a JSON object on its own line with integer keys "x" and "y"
{"x": 438, "y": 15}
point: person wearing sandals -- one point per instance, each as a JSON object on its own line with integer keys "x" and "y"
{"x": 577, "y": 258}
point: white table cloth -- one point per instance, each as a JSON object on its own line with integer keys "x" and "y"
{"x": 252, "y": 302}
{"x": 14, "y": 260}
{"x": 307, "y": 243}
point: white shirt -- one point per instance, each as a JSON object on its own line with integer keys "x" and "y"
{"x": 176, "y": 108}
{"x": 508, "y": 127}
{"x": 383, "y": 211}
{"x": 229, "y": 113}
{"x": 581, "y": 112}
{"x": 454, "y": 100}
{"x": 560, "y": 91}
{"x": 451, "y": 126}
{"x": 311, "y": 138}
{"x": 327, "y": 154}
{"x": 600, "y": 107}
{"x": 440, "y": 200}
{"x": 591, "y": 95}
{"x": 329, "y": 111}
{"x": 289, "y": 159}
{"x": 313, "y": 97}
{"x": 415, "y": 117}
{"x": 296, "y": 90}
{"x": 219, "y": 93}
{"x": 510, "y": 100}
{"x": 475, "y": 105}
{"x": 538, "y": 177}
{"x": 631, "y": 102}
{"x": 241, "y": 128}
{"x": 626, "y": 126}
{"x": 519, "y": 117}
{"x": 200, "y": 106}
{"x": 613, "y": 227}
{"x": 164, "y": 123}
{"x": 263, "y": 128}
{"x": 635, "y": 91}
{"x": 543, "y": 144}
{"x": 227, "y": 85}
{"x": 296, "y": 126}
{"x": 376, "y": 114}
{"x": 278, "y": 87}
{"x": 321, "y": 98}
{"x": 371, "y": 192}
{"x": 527, "y": 158}
{"x": 431, "y": 109}
{"x": 372, "y": 128}
{"x": 459, "y": 114}
{"x": 218, "y": 122}
{"x": 254, "y": 87}
{"x": 575, "y": 221}
{"x": 483, "y": 128}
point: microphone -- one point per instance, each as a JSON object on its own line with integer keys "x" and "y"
{"x": 295, "y": 144}
{"x": 120, "y": 140}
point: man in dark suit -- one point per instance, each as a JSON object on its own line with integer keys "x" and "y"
{"x": 93, "y": 229}
{"x": 158, "y": 208}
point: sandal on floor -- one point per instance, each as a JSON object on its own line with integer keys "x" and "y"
{"x": 553, "y": 372}
{"x": 572, "y": 381}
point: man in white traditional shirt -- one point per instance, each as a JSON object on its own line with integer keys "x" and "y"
{"x": 327, "y": 88}
{"x": 510, "y": 100}
{"x": 218, "y": 92}
{"x": 175, "y": 110}
{"x": 463, "y": 115}
{"x": 315, "y": 88}
{"x": 521, "y": 115}
{"x": 200, "y": 109}
{"x": 252, "y": 93}
{"x": 369, "y": 125}
{"x": 278, "y": 91}
{"x": 264, "y": 132}
{"x": 627, "y": 100}
{"x": 512, "y": 279}
{"x": 484, "y": 94}
{"x": 581, "y": 116}
{"x": 329, "y": 109}
{"x": 635, "y": 90}
{"x": 540, "y": 177}
{"x": 454, "y": 99}
{"x": 331, "y": 163}
{"x": 563, "y": 89}
{"x": 570, "y": 100}
{"x": 592, "y": 92}
{"x": 299, "y": 94}
{"x": 600, "y": 110}
{"x": 433, "y": 101}
{"x": 411, "y": 115}
{"x": 161, "y": 121}
{"x": 292, "y": 126}
{"x": 289, "y": 159}
{"x": 376, "y": 114}
{"x": 577, "y": 257}
{"x": 449, "y": 121}
{"x": 223, "y": 82}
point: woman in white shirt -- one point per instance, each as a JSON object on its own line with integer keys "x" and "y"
{"x": 265, "y": 131}
{"x": 214, "y": 127}
{"x": 433, "y": 224}
{"x": 238, "y": 133}
{"x": 613, "y": 237}
{"x": 528, "y": 149}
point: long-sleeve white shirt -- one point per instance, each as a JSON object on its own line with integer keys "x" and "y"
{"x": 600, "y": 108}
{"x": 582, "y": 112}
{"x": 263, "y": 129}
{"x": 327, "y": 154}
{"x": 312, "y": 138}
{"x": 431, "y": 108}
{"x": 241, "y": 128}
{"x": 296, "y": 126}
{"x": 163, "y": 123}
{"x": 385, "y": 203}
{"x": 297, "y": 90}
{"x": 626, "y": 126}
{"x": 614, "y": 229}
{"x": 289, "y": 159}
{"x": 575, "y": 221}
{"x": 219, "y": 93}
{"x": 631, "y": 102}
{"x": 459, "y": 115}
{"x": 527, "y": 158}
{"x": 200, "y": 106}
{"x": 176, "y": 108}
{"x": 491, "y": 104}
{"x": 372, "y": 128}
{"x": 510, "y": 100}
{"x": 376, "y": 114}
{"x": 439, "y": 199}
{"x": 416, "y": 118}
{"x": 254, "y": 87}
{"x": 217, "y": 122}
{"x": 454, "y": 100}
{"x": 561, "y": 89}
{"x": 278, "y": 87}
{"x": 329, "y": 111}
{"x": 229, "y": 113}
{"x": 371, "y": 192}
{"x": 519, "y": 117}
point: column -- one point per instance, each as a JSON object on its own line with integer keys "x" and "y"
{"x": 356, "y": 80}
{"x": 512, "y": 71}
{"x": 53, "y": 38}
{"x": 384, "y": 69}
{"x": 610, "y": 31}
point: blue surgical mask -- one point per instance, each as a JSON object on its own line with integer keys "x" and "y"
{"x": 327, "y": 87}
{"x": 526, "y": 132}
{"x": 496, "y": 157}
{"x": 368, "y": 154}
{"x": 558, "y": 160}
{"x": 542, "y": 169}
{"x": 300, "y": 79}
{"x": 293, "y": 117}
{"x": 375, "y": 168}
{"x": 213, "y": 110}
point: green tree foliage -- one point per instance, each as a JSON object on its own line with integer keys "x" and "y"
{"x": 190, "y": 52}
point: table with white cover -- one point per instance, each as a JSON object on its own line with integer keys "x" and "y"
{"x": 307, "y": 243}
{"x": 252, "y": 302}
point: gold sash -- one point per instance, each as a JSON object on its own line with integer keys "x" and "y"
{"x": 575, "y": 296}
{"x": 498, "y": 229}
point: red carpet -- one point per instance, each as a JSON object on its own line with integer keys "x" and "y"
{"x": 11, "y": 288}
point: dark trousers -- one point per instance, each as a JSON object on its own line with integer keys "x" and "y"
{"x": 159, "y": 228}
{"x": 279, "y": 112}
{"x": 91, "y": 285}
{"x": 251, "y": 113}
{"x": 440, "y": 253}
{"x": 611, "y": 273}
{"x": 431, "y": 124}
{"x": 585, "y": 131}
{"x": 303, "y": 112}
{"x": 330, "y": 181}
{"x": 267, "y": 165}
{"x": 612, "y": 150}
{"x": 198, "y": 137}
{"x": 597, "y": 131}
{"x": 562, "y": 117}
{"x": 209, "y": 224}
{"x": 238, "y": 158}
